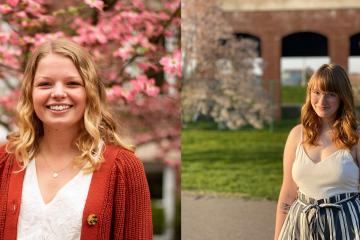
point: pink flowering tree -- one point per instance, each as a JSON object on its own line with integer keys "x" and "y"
{"x": 135, "y": 44}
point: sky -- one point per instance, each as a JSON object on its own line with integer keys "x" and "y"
{"x": 315, "y": 62}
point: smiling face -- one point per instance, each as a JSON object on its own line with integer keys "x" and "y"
{"x": 58, "y": 93}
{"x": 325, "y": 104}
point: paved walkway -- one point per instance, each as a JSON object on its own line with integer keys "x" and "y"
{"x": 207, "y": 217}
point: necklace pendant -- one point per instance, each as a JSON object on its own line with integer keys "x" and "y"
{"x": 55, "y": 175}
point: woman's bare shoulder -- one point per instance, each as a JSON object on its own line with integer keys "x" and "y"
{"x": 295, "y": 133}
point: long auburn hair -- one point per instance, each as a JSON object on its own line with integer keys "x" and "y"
{"x": 331, "y": 78}
{"x": 98, "y": 125}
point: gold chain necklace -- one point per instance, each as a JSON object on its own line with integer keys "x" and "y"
{"x": 55, "y": 173}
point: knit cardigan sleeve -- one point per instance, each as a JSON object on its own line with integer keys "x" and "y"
{"x": 132, "y": 191}
{"x": 5, "y": 169}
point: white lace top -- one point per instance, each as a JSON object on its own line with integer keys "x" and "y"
{"x": 57, "y": 220}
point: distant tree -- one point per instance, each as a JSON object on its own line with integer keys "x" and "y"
{"x": 308, "y": 73}
{"x": 218, "y": 70}
{"x": 355, "y": 82}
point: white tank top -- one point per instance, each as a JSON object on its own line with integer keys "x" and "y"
{"x": 337, "y": 173}
{"x": 57, "y": 220}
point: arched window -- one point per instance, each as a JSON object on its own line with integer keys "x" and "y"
{"x": 302, "y": 53}
{"x": 354, "y": 57}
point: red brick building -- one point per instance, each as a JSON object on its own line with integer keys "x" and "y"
{"x": 296, "y": 28}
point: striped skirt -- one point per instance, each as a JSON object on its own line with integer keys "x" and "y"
{"x": 334, "y": 218}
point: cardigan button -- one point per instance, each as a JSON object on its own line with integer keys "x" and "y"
{"x": 92, "y": 219}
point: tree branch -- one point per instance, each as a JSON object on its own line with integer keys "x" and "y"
{"x": 5, "y": 125}
{"x": 156, "y": 39}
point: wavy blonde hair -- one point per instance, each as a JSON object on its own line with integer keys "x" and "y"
{"x": 331, "y": 78}
{"x": 98, "y": 124}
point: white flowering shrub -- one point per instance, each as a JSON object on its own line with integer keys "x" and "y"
{"x": 218, "y": 71}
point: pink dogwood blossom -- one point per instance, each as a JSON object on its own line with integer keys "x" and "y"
{"x": 124, "y": 52}
{"x": 9, "y": 101}
{"x": 172, "y": 64}
{"x": 5, "y": 9}
{"x": 98, "y": 4}
{"x": 13, "y": 3}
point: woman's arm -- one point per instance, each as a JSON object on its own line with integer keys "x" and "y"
{"x": 288, "y": 189}
{"x": 357, "y": 149}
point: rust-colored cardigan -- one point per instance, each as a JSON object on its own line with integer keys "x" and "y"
{"x": 118, "y": 196}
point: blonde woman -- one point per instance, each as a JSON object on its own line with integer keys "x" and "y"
{"x": 319, "y": 193}
{"x": 65, "y": 173}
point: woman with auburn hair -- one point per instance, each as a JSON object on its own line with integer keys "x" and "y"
{"x": 65, "y": 174}
{"x": 319, "y": 194}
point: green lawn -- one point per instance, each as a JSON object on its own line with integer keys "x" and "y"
{"x": 293, "y": 94}
{"x": 158, "y": 219}
{"x": 248, "y": 162}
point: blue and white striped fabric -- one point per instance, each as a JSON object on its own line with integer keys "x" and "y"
{"x": 334, "y": 218}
